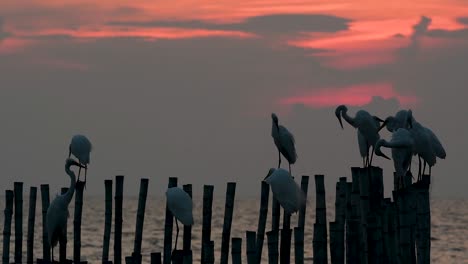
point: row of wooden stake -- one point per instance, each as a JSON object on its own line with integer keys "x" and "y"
{"x": 367, "y": 227}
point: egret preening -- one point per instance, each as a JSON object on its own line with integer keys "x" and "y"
{"x": 180, "y": 205}
{"x": 367, "y": 130}
{"x": 402, "y": 145}
{"x": 57, "y": 213}
{"x": 288, "y": 193}
{"x": 80, "y": 147}
{"x": 284, "y": 142}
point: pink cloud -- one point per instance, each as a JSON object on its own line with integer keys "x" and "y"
{"x": 355, "y": 95}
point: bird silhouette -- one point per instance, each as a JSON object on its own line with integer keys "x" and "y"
{"x": 367, "y": 130}
{"x": 80, "y": 147}
{"x": 285, "y": 190}
{"x": 284, "y": 141}
{"x": 180, "y": 205}
{"x": 57, "y": 213}
{"x": 402, "y": 145}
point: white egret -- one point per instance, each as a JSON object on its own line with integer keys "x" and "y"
{"x": 57, "y": 213}
{"x": 80, "y": 147}
{"x": 180, "y": 205}
{"x": 367, "y": 130}
{"x": 285, "y": 190}
{"x": 284, "y": 141}
{"x": 402, "y": 145}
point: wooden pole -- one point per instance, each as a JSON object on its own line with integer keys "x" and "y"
{"x": 275, "y": 213}
{"x": 168, "y": 226}
{"x": 18, "y": 189}
{"x": 265, "y": 192}
{"x": 119, "y": 181}
{"x": 236, "y": 250}
{"x": 228, "y": 212}
{"x": 376, "y": 188}
{"x": 364, "y": 181}
{"x": 31, "y": 222}
{"x": 209, "y": 252}
{"x": 353, "y": 223}
{"x": 320, "y": 227}
{"x": 333, "y": 242}
{"x": 63, "y": 240}
{"x": 299, "y": 245}
{"x": 302, "y": 211}
{"x": 45, "y": 205}
{"x": 375, "y": 253}
{"x": 107, "y": 221}
{"x": 251, "y": 247}
{"x": 206, "y": 224}
{"x": 187, "y": 243}
{"x": 9, "y": 195}
{"x": 140, "y": 220}
{"x": 285, "y": 243}
{"x": 77, "y": 222}
{"x": 402, "y": 202}
{"x": 424, "y": 220}
{"x": 272, "y": 238}
{"x": 340, "y": 217}
{"x": 156, "y": 258}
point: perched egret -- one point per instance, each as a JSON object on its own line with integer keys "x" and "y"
{"x": 180, "y": 205}
{"x": 367, "y": 130}
{"x": 57, "y": 213}
{"x": 285, "y": 190}
{"x": 284, "y": 142}
{"x": 402, "y": 145}
{"x": 80, "y": 147}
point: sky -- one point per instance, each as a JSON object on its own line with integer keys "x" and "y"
{"x": 186, "y": 88}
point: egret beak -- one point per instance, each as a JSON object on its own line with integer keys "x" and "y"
{"x": 378, "y": 119}
{"x": 385, "y": 156}
{"x": 383, "y": 125}
{"x": 338, "y": 115}
{"x": 269, "y": 173}
{"x": 378, "y": 152}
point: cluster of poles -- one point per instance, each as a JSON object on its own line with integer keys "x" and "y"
{"x": 368, "y": 228}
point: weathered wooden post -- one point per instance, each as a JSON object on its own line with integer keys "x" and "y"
{"x": 18, "y": 189}
{"x": 364, "y": 181}
{"x": 387, "y": 247}
{"x": 107, "y": 221}
{"x": 333, "y": 242}
{"x": 285, "y": 244}
{"x": 320, "y": 226}
{"x": 77, "y": 221}
{"x": 375, "y": 239}
{"x": 9, "y": 195}
{"x": 168, "y": 226}
{"x": 376, "y": 196}
{"x": 156, "y": 258}
{"x": 424, "y": 220}
{"x": 340, "y": 215}
{"x": 302, "y": 211}
{"x": 187, "y": 242}
{"x": 275, "y": 213}
{"x": 251, "y": 247}
{"x": 31, "y": 220}
{"x": 265, "y": 192}
{"x": 206, "y": 222}
{"x": 402, "y": 202}
{"x": 209, "y": 252}
{"x": 272, "y": 239}
{"x": 63, "y": 240}
{"x": 299, "y": 245}
{"x": 236, "y": 250}
{"x": 228, "y": 211}
{"x": 136, "y": 255}
{"x": 119, "y": 180}
{"x": 353, "y": 221}
{"x": 45, "y": 205}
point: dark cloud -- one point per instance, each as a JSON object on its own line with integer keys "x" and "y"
{"x": 442, "y": 33}
{"x": 463, "y": 20}
{"x": 269, "y": 24}
{"x": 3, "y": 33}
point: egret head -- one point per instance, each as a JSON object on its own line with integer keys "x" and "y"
{"x": 71, "y": 162}
{"x": 410, "y": 118}
{"x": 389, "y": 123}
{"x": 338, "y": 111}
{"x": 378, "y": 152}
{"x": 270, "y": 172}
{"x": 274, "y": 117}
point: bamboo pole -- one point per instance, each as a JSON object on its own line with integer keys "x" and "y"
{"x": 364, "y": 181}
{"x": 206, "y": 224}
{"x": 45, "y": 205}
{"x": 275, "y": 213}
{"x": 424, "y": 220}
{"x": 187, "y": 243}
{"x": 168, "y": 227}
{"x": 63, "y": 240}
{"x": 119, "y": 181}
{"x": 265, "y": 192}
{"x": 236, "y": 250}
{"x": 228, "y": 212}
{"x": 107, "y": 221}
{"x": 140, "y": 220}
{"x": 18, "y": 189}
{"x": 376, "y": 195}
{"x": 156, "y": 258}
{"x": 386, "y": 231}
{"x": 375, "y": 254}
{"x": 333, "y": 242}
{"x": 209, "y": 252}
{"x": 272, "y": 238}
{"x": 353, "y": 223}
{"x": 299, "y": 245}
{"x": 9, "y": 195}
{"x": 77, "y": 222}
{"x": 31, "y": 222}
{"x": 402, "y": 202}
{"x": 285, "y": 244}
{"x": 251, "y": 247}
{"x": 177, "y": 256}
{"x": 340, "y": 216}
{"x": 320, "y": 227}
{"x": 302, "y": 211}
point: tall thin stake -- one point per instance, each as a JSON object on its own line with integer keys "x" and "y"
{"x": 7, "y": 226}
{"x": 31, "y": 220}
{"x": 236, "y": 250}
{"x": 107, "y": 221}
{"x": 63, "y": 240}
{"x": 265, "y": 192}
{"x": 251, "y": 247}
{"x": 228, "y": 212}
{"x": 206, "y": 224}
{"x": 187, "y": 243}
{"x": 168, "y": 226}
{"x": 140, "y": 220}
{"x": 45, "y": 205}
{"x": 18, "y": 188}
{"x": 119, "y": 181}
{"x": 77, "y": 222}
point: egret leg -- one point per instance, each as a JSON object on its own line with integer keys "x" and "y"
{"x": 363, "y": 162}
{"x": 85, "y": 173}
{"x": 79, "y": 172}
{"x": 372, "y": 156}
{"x": 52, "y": 254}
{"x": 424, "y": 170}
{"x": 419, "y": 171}
{"x": 430, "y": 168}
{"x": 290, "y": 172}
{"x": 177, "y": 234}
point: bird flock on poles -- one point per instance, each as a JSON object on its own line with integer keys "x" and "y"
{"x": 409, "y": 138}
